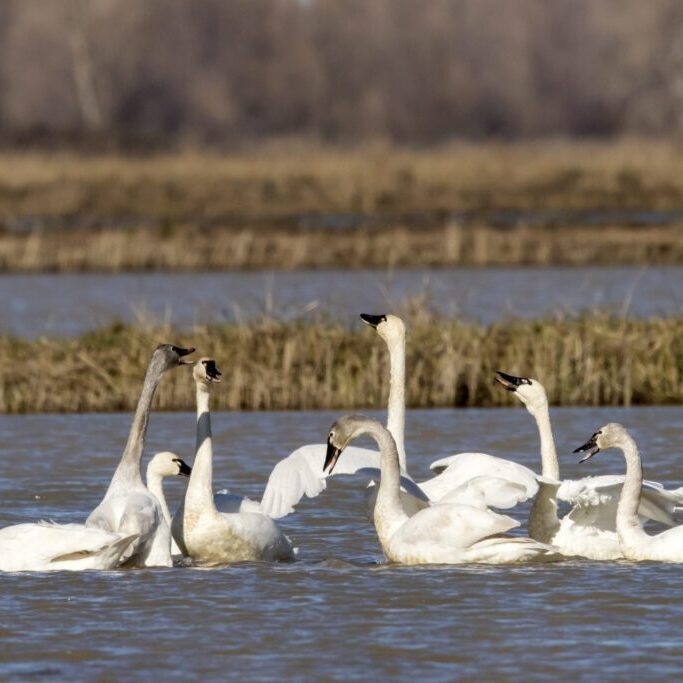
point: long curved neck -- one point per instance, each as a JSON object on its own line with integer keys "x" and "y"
{"x": 628, "y": 524}
{"x": 156, "y": 488}
{"x": 389, "y": 511}
{"x": 396, "y": 412}
{"x": 128, "y": 470}
{"x": 544, "y": 522}
{"x": 200, "y": 488}
{"x": 550, "y": 466}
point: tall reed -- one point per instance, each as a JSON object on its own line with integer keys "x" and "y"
{"x": 594, "y": 359}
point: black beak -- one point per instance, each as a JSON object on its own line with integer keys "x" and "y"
{"x": 212, "y": 371}
{"x": 184, "y": 470}
{"x": 331, "y": 456}
{"x": 183, "y": 352}
{"x": 510, "y": 382}
{"x": 373, "y": 320}
{"x": 591, "y": 446}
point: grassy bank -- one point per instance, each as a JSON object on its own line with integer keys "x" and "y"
{"x": 591, "y": 360}
{"x": 395, "y": 206}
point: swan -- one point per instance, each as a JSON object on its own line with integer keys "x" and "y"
{"x": 46, "y": 546}
{"x": 201, "y": 531}
{"x": 301, "y": 473}
{"x": 634, "y": 541}
{"x": 128, "y": 506}
{"x": 509, "y": 482}
{"x": 589, "y": 528}
{"x": 444, "y": 533}
{"x": 165, "y": 464}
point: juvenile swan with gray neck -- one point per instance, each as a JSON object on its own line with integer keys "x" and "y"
{"x": 128, "y": 506}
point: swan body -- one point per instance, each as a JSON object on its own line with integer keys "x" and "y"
{"x": 128, "y": 506}
{"x": 46, "y": 546}
{"x": 444, "y": 533}
{"x": 204, "y": 533}
{"x": 634, "y": 542}
{"x": 589, "y": 528}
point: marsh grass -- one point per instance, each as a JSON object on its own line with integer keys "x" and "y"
{"x": 197, "y": 211}
{"x": 593, "y": 359}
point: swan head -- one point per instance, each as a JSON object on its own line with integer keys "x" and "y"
{"x": 206, "y": 372}
{"x": 612, "y": 434}
{"x": 342, "y": 432}
{"x": 529, "y": 391}
{"x": 167, "y": 464}
{"x": 389, "y": 327}
{"x": 168, "y": 356}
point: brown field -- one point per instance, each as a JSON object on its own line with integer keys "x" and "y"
{"x": 591, "y": 360}
{"x": 61, "y": 212}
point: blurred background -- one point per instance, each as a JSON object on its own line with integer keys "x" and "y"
{"x": 166, "y": 73}
{"x": 210, "y": 162}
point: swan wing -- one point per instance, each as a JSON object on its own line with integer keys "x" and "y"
{"x": 594, "y": 501}
{"x": 482, "y": 492}
{"x": 453, "y": 525}
{"x": 458, "y": 469}
{"x": 46, "y": 545}
{"x": 301, "y": 474}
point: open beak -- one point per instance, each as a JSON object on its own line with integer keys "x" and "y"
{"x": 510, "y": 382}
{"x": 590, "y": 446}
{"x": 183, "y": 352}
{"x": 372, "y": 320}
{"x": 331, "y": 457}
{"x": 184, "y": 469}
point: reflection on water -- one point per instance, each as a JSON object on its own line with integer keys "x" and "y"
{"x": 33, "y": 305}
{"x": 336, "y": 614}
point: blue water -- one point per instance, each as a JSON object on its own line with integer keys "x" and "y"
{"x": 35, "y": 305}
{"x": 338, "y": 614}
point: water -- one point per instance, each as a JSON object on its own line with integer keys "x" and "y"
{"x": 35, "y": 305}
{"x": 337, "y": 614}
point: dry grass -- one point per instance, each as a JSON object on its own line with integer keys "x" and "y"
{"x": 198, "y": 211}
{"x": 450, "y": 245}
{"x": 591, "y": 360}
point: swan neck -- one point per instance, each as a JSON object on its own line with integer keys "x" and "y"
{"x": 156, "y": 488}
{"x": 128, "y": 470}
{"x": 628, "y": 524}
{"x": 397, "y": 402}
{"x": 550, "y": 466}
{"x": 200, "y": 487}
{"x": 388, "y": 508}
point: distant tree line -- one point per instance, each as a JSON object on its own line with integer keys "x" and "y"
{"x": 413, "y": 71}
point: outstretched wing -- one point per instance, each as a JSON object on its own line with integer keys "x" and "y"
{"x": 594, "y": 501}
{"x": 301, "y": 474}
{"x": 457, "y": 470}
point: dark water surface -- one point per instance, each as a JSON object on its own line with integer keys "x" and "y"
{"x": 337, "y": 613}
{"x": 34, "y": 305}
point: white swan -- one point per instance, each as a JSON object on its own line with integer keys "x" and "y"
{"x": 589, "y": 528}
{"x": 634, "y": 542}
{"x": 46, "y": 546}
{"x": 162, "y": 465}
{"x": 445, "y": 533}
{"x": 301, "y": 473}
{"x": 128, "y": 506}
{"x": 201, "y": 531}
